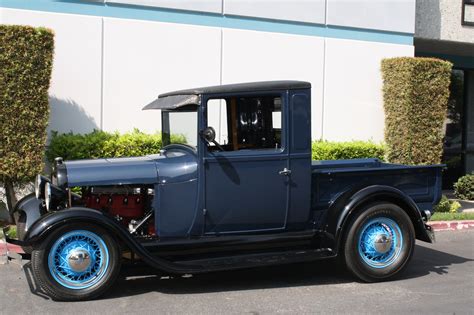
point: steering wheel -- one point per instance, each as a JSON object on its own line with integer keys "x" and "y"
{"x": 180, "y": 146}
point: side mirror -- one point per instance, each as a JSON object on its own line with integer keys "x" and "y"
{"x": 209, "y": 134}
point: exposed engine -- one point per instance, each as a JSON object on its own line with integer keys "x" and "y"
{"x": 131, "y": 206}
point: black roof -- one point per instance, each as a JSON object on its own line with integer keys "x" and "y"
{"x": 242, "y": 87}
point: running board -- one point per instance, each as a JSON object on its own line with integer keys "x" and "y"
{"x": 255, "y": 260}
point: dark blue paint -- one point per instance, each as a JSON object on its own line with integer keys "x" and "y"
{"x": 419, "y": 183}
{"x": 177, "y": 208}
{"x": 116, "y": 171}
{"x": 299, "y": 160}
{"x": 244, "y": 192}
{"x": 176, "y": 165}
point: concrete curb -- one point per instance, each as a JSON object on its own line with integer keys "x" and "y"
{"x": 451, "y": 225}
{"x": 6, "y": 248}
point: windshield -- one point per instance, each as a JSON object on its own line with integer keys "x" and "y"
{"x": 180, "y": 126}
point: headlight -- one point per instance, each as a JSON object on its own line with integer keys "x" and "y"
{"x": 47, "y": 195}
{"x": 53, "y": 196}
{"x": 40, "y": 183}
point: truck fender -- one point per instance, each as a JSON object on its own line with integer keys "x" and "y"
{"x": 47, "y": 223}
{"x": 26, "y": 212}
{"x": 347, "y": 203}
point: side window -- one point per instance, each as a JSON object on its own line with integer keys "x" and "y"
{"x": 217, "y": 119}
{"x": 246, "y": 123}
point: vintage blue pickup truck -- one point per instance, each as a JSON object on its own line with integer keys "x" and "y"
{"x": 243, "y": 196}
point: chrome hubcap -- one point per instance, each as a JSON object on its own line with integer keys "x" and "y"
{"x": 79, "y": 260}
{"x": 382, "y": 243}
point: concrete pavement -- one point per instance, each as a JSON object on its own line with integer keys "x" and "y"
{"x": 439, "y": 280}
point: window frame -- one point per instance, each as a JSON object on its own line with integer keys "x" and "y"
{"x": 465, "y": 4}
{"x": 250, "y": 152}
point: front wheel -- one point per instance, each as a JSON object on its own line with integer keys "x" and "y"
{"x": 379, "y": 243}
{"x": 76, "y": 262}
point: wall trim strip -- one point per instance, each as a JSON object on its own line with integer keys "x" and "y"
{"x": 207, "y": 19}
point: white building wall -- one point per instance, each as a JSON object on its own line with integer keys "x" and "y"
{"x": 310, "y": 11}
{"x": 214, "y": 6}
{"x": 143, "y": 59}
{"x": 389, "y": 15}
{"x": 106, "y": 69}
{"x": 353, "y": 104}
{"x": 265, "y": 58}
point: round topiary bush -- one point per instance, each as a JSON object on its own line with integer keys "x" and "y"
{"x": 464, "y": 187}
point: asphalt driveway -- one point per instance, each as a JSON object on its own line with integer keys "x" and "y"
{"x": 439, "y": 280}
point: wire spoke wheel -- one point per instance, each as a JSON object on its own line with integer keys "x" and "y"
{"x": 380, "y": 242}
{"x": 78, "y": 259}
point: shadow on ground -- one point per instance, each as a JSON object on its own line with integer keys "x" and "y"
{"x": 140, "y": 279}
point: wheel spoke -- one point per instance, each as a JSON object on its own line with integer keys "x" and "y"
{"x": 371, "y": 249}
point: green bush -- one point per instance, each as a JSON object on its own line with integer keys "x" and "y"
{"x": 464, "y": 187}
{"x": 26, "y": 58}
{"x": 446, "y": 205}
{"x": 101, "y": 144}
{"x": 326, "y": 150}
{"x": 415, "y": 93}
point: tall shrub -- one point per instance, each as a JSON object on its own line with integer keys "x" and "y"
{"x": 26, "y": 59}
{"x": 415, "y": 93}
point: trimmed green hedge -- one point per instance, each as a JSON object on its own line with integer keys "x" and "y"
{"x": 101, "y": 144}
{"x": 326, "y": 150}
{"x": 415, "y": 92}
{"x": 26, "y": 58}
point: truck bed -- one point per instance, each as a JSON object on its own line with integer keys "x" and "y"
{"x": 331, "y": 178}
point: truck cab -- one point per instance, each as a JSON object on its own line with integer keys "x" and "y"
{"x": 240, "y": 191}
{"x": 253, "y": 148}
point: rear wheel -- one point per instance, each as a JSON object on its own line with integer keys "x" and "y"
{"x": 379, "y": 243}
{"x": 76, "y": 262}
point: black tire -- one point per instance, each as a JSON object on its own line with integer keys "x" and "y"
{"x": 379, "y": 242}
{"x": 60, "y": 282}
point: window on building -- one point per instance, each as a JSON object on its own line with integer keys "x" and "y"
{"x": 246, "y": 123}
{"x": 467, "y": 15}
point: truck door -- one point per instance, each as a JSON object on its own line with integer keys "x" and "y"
{"x": 246, "y": 175}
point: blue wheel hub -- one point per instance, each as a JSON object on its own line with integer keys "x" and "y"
{"x": 78, "y": 260}
{"x": 380, "y": 242}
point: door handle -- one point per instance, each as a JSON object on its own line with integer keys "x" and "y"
{"x": 285, "y": 172}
